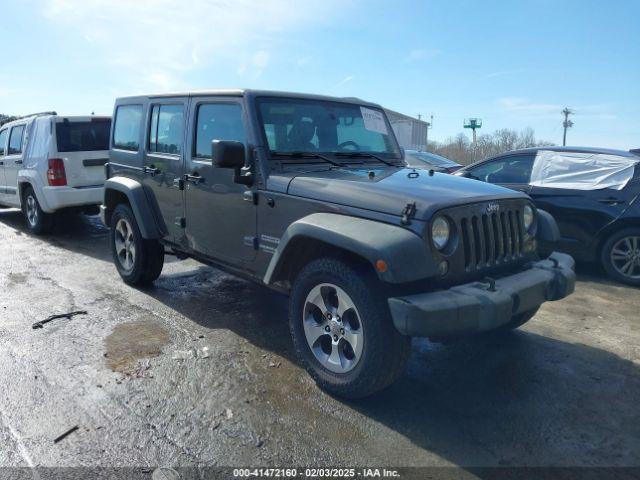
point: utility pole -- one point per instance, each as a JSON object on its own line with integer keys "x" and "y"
{"x": 566, "y": 124}
{"x": 426, "y": 132}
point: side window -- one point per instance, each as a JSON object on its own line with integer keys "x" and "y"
{"x": 3, "y": 141}
{"x": 513, "y": 169}
{"x": 217, "y": 121}
{"x": 15, "y": 140}
{"x": 167, "y": 124}
{"x": 126, "y": 131}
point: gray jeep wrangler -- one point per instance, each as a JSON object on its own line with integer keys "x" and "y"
{"x": 310, "y": 196}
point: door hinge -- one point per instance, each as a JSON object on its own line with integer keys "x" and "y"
{"x": 181, "y": 222}
{"x": 408, "y": 213}
{"x": 251, "y": 242}
{"x": 250, "y": 196}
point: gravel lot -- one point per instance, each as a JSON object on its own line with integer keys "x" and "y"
{"x": 562, "y": 391}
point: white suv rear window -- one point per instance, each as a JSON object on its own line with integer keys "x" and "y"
{"x": 83, "y": 136}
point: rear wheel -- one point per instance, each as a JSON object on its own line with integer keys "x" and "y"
{"x": 38, "y": 221}
{"x": 139, "y": 261}
{"x": 342, "y": 329}
{"x": 620, "y": 256}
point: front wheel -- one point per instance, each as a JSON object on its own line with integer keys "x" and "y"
{"x": 620, "y": 256}
{"x": 38, "y": 221}
{"x": 342, "y": 329}
{"x": 139, "y": 261}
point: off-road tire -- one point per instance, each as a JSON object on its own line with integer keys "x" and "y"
{"x": 38, "y": 222}
{"x": 606, "y": 261}
{"x": 149, "y": 254}
{"x": 385, "y": 351}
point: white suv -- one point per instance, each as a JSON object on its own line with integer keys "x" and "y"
{"x": 50, "y": 162}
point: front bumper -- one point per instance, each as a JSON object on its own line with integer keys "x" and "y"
{"x": 477, "y": 307}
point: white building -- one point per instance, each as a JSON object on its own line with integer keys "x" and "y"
{"x": 412, "y": 133}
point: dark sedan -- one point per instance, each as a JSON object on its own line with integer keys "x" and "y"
{"x": 430, "y": 161}
{"x": 592, "y": 193}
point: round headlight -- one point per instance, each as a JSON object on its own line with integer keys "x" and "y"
{"x": 527, "y": 216}
{"x": 440, "y": 232}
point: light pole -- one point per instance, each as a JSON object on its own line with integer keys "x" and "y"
{"x": 473, "y": 123}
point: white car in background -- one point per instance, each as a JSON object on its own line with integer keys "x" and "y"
{"x": 50, "y": 163}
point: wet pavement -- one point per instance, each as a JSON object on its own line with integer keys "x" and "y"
{"x": 199, "y": 371}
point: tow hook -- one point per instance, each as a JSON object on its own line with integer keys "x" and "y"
{"x": 491, "y": 282}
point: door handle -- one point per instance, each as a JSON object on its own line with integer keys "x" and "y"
{"x": 18, "y": 162}
{"x": 1, "y": 163}
{"x": 193, "y": 178}
{"x": 611, "y": 201}
{"x": 150, "y": 169}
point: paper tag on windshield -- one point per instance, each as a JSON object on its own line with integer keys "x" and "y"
{"x": 374, "y": 120}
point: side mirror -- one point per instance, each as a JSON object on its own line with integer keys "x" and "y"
{"x": 227, "y": 154}
{"x": 230, "y": 154}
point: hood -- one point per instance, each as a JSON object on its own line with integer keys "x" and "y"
{"x": 388, "y": 190}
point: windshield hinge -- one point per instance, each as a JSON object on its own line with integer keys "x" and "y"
{"x": 408, "y": 213}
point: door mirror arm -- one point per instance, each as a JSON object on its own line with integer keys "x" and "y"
{"x": 243, "y": 178}
{"x": 231, "y": 154}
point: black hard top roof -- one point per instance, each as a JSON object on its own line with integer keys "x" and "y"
{"x": 241, "y": 92}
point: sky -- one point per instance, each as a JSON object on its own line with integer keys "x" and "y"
{"x": 514, "y": 64}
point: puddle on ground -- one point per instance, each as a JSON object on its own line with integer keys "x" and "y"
{"x": 131, "y": 341}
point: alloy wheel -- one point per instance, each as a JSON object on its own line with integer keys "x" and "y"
{"x": 32, "y": 210}
{"x": 125, "y": 244}
{"x": 625, "y": 257}
{"x": 333, "y": 328}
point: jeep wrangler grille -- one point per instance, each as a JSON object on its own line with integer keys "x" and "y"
{"x": 490, "y": 239}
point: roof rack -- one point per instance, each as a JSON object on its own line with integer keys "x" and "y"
{"x": 39, "y": 114}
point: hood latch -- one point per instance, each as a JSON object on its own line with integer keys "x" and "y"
{"x": 408, "y": 213}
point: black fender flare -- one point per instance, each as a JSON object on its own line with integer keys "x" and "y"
{"x": 139, "y": 202}
{"x": 406, "y": 254}
{"x": 548, "y": 230}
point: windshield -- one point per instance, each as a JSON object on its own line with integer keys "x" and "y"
{"x": 87, "y": 136}
{"x": 419, "y": 158}
{"x": 319, "y": 126}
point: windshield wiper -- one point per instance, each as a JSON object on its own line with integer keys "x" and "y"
{"x": 365, "y": 155}
{"x": 306, "y": 155}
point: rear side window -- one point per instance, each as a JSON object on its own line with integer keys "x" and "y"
{"x": 15, "y": 140}
{"x": 126, "y": 132}
{"x": 512, "y": 169}
{"x": 166, "y": 130}
{"x": 3, "y": 140}
{"x": 83, "y": 136}
{"x": 218, "y": 121}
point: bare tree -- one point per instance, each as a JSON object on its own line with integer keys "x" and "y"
{"x": 459, "y": 148}
{"x": 6, "y": 118}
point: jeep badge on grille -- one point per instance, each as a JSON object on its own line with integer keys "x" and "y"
{"x": 493, "y": 207}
